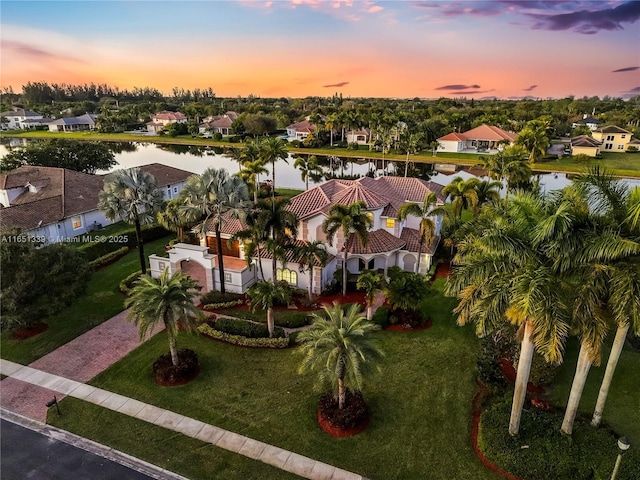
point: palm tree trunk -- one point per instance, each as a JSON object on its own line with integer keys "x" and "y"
{"x": 522, "y": 378}
{"x": 270, "y": 324}
{"x": 344, "y": 272}
{"x": 616, "y": 349}
{"x": 172, "y": 348}
{"x": 419, "y": 256}
{"x": 579, "y": 379}
{"x": 406, "y": 166}
{"x": 331, "y": 133}
{"x": 310, "y": 283}
{"x": 255, "y": 192}
{"x": 220, "y": 261}
{"x": 341, "y": 393}
{"x": 273, "y": 180}
{"x": 143, "y": 263}
{"x": 369, "y": 311}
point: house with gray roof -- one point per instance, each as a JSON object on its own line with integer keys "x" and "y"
{"x": 20, "y": 118}
{"x": 73, "y": 124}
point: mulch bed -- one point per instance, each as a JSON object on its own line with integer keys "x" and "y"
{"x": 349, "y": 421}
{"x": 405, "y": 328}
{"x": 508, "y": 370}
{"x": 24, "y": 333}
{"x": 168, "y": 375}
{"x": 442, "y": 270}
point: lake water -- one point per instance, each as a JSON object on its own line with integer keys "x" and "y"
{"x": 197, "y": 159}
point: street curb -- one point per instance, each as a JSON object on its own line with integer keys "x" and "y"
{"x": 90, "y": 446}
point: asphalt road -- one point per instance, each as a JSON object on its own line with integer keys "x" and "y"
{"x": 25, "y": 454}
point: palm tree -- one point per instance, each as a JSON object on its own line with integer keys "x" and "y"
{"x": 273, "y": 149}
{"x": 312, "y": 254}
{"x": 332, "y": 121}
{"x": 251, "y": 170}
{"x": 172, "y": 218}
{"x": 463, "y": 195}
{"x": 501, "y": 272}
{"x": 369, "y": 281}
{"x": 434, "y": 148}
{"x": 252, "y": 237}
{"x": 282, "y": 225}
{"x": 133, "y": 196}
{"x": 509, "y": 166}
{"x": 309, "y": 168}
{"x": 353, "y": 221}
{"x": 406, "y": 291}
{"x": 487, "y": 192}
{"x": 337, "y": 347}
{"x": 425, "y": 212}
{"x": 410, "y": 143}
{"x": 265, "y": 295}
{"x": 215, "y": 197}
{"x": 534, "y": 138}
{"x": 167, "y": 299}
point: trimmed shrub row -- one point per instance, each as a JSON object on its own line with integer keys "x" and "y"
{"x": 95, "y": 250}
{"x": 127, "y": 283}
{"x": 233, "y": 326}
{"x": 214, "y": 297}
{"x": 243, "y": 341}
{"x": 216, "y": 306}
{"x": 109, "y": 257}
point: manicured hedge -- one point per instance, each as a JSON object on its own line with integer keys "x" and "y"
{"x": 127, "y": 283}
{"x": 216, "y": 306}
{"x": 244, "y": 328}
{"x": 243, "y": 341}
{"x": 541, "y": 452}
{"x": 109, "y": 257}
{"x": 215, "y": 296}
{"x": 127, "y": 238}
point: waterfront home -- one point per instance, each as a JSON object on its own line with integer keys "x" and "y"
{"x": 19, "y": 118}
{"x": 586, "y": 145}
{"x": 615, "y": 139}
{"x": 73, "y": 124}
{"x": 482, "y": 139}
{"x": 161, "y": 119}
{"x": 219, "y": 124}
{"x": 362, "y": 136}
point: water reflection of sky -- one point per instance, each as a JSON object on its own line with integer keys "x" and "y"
{"x": 196, "y": 160}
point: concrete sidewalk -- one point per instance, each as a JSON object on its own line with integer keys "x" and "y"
{"x": 269, "y": 454}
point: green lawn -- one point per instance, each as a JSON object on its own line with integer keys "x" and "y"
{"x": 102, "y": 301}
{"x": 421, "y": 406}
{"x": 622, "y": 164}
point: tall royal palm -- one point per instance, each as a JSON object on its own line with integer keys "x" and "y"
{"x": 133, "y": 196}
{"x": 272, "y": 150}
{"x": 167, "y": 300}
{"x": 309, "y": 169}
{"x": 282, "y": 227}
{"x": 352, "y": 220}
{"x": 501, "y": 273}
{"x": 251, "y": 171}
{"x": 462, "y": 194}
{"x": 338, "y": 348}
{"x": 410, "y": 143}
{"x": 426, "y": 212}
{"x": 213, "y": 198}
{"x": 310, "y": 255}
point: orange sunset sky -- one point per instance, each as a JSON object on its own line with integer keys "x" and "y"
{"x": 506, "y": 49}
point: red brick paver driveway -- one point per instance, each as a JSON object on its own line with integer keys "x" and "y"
{"x": 81, "y": 359}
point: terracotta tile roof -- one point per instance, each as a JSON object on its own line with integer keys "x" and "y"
{"x": 489, "y": 132}
{"x": 58, "y": 194}
{"x": 585, "y": 141}
{"x": 383, "y": 192}
{"x": 379, "y": 241}
{"x": 291, "y": 254}
{"x": 303, "y": 126}
{"x": 611, "y": 129}
{"x": 412, "y": 238}
{"x": 224, "y": 122}
{"x": 230, "y": 226}
{"x": 453, "y": 136}
{"x": 164, "y": 174}
{"x": 166, "y": 115}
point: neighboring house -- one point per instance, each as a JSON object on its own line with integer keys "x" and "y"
{"x": 19, "y": 118}
{"x": 53, "y": 203}
{"x": 300, "y": 130}
{"x": 361, "y": 136}
{"x": 162, "y": 119}
{"x": 586, "y": 120}
{"x": 584, "y": 144}
{"x": 219, "y": 124}
{"x": 73, "y": 124}
{"x": 482, "y": 139}
{"x": 614, "y": 139}
{"x": 169, "y": 179}
{"x": 391, "y": 242}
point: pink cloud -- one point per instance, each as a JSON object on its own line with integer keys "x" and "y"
{"x": 375, "y": 8}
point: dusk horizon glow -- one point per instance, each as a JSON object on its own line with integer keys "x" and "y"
{"x": 296, "y": 48}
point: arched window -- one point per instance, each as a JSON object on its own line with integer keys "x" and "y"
{"x": 289, "y": 276}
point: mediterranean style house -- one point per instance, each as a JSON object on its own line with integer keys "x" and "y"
{"x": 391, "y": 242}
{"x": 219, "y": 124}
{"x": 300, "y": 130}
{"x": 56, "y": 204}
{"x": 164, "y": 118}
{"x": 482, "y": 139}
